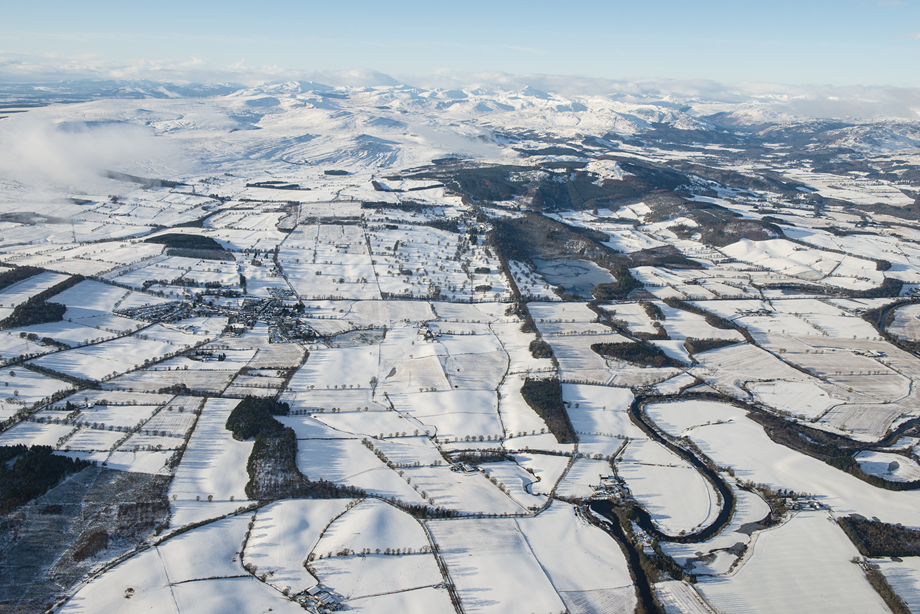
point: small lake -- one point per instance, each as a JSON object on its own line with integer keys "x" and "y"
{"x": 576, "y": 276}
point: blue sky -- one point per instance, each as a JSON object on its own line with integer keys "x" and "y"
{"x": 806, "y": 42}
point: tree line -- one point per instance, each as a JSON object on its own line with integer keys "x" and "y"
{"x": 638, "y": 353}
{"x": 695, "y": 346}
{"x": 38, "y": 309}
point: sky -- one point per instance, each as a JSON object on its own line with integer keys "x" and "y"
{"x": 804, "y": 42}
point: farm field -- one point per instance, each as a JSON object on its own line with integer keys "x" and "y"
{"x": 789, "y": 573}
{"x": 208, "y": 558}
{"x": 493, "y": 566}
{"x": 214, "y": 464}
{"x": 679, "y": 597}
{"x": 283, "y": 536}
{"x": 889, "y": 466}
{"x": 906, "y": 323}
{"x": 591, "y": 573}
{"x": 904, "y": 577}
{"x": 679, "y": 499}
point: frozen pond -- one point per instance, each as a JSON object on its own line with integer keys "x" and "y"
{"x": 576, "y": 276}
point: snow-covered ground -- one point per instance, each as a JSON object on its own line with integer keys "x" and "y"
{"x": 354, "y": 282}
{"x": 803, "y": 566}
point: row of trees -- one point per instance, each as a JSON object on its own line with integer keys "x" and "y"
{"x": 695, "y": 346}
{"x": 8, "y": 278}
{"x": 38, "y": 309}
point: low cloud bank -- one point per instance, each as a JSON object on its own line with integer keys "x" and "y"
{"x": 34, "y": 152}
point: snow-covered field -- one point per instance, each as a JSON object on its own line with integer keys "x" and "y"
{"x": 677, "y": 496}
{"x": 352, "y": 265}
{"x": 803, "y": 566}
{"x": 585, "y": 565}
{"x": 197, "y": 571}
{"x": 284, "y": 534}
{"x": 904, "y": 578}
{"x": 894, "y": 467}
{"x": 214, "y": 463}
{"x": 906, "y": 323}
{"x": 493, "y": 567}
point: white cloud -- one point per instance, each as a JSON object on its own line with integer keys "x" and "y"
{"x": 35, "y": 152}
{"x": 30, "y": 67}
